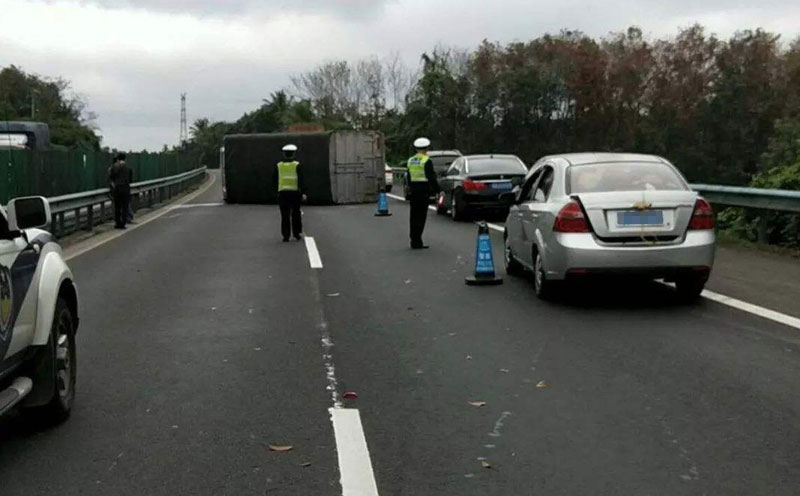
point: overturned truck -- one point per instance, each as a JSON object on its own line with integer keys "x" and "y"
{"x": 338, "y": 167}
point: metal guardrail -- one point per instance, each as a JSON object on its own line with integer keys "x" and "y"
{"x": 762, "y": 199}
{"x": 86, "y": 209}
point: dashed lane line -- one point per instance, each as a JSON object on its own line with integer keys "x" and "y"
{"x": 750, "y": 308}
{"x": 355, "y": 466}
{"x": 313, "y": 254}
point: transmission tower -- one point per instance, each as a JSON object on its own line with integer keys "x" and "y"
{"x": 184, "y": 131}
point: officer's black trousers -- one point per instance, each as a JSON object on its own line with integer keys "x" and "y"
{"x": 417, "y": 218}
{"x": 289, "y": 202}
{"x": 122, "y": 200}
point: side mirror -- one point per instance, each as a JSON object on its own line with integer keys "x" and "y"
{"x": 28, "y": 213}
{"x": 508, "y": 198}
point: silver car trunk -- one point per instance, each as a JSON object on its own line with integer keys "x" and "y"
{"x": 665, "y": 214}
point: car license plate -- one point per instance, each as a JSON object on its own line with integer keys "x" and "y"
{"x": 640, "y": 218}
{"x": 504, "y": 186}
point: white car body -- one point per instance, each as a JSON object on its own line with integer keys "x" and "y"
{"x": 35, "y": 284}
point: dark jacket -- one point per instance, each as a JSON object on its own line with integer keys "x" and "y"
{"x": 422, "y": 191}
{"x": 120, "y": 177}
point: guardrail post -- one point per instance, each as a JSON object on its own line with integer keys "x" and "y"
{"x": 90, "y": 218}
{"x": 763, "y": 227}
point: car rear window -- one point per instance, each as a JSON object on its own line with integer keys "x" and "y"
{"x": 627, "y": 176}
{"x": 442, "y": 162}
{"x": 500, "y": 165}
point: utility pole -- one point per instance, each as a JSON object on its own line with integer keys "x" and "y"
{"x": 184, "y": 130}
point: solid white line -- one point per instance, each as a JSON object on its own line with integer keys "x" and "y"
{"x": 355, "y": 467}
{"x": 395, "y": 197}
{"x": 495, "y": 227}
{"x": 313, "y": 253}
{"x": 198, "y": 205}
{"x": 145, "y": 220}
{"x": 754, "y": 309}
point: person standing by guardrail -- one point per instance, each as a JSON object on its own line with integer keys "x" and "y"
{"x": 422, "y": 181}
{"x": 289, "y": 177}
{"x": 120, "y": 177}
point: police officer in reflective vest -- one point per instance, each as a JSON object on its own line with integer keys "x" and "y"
{"x": 422, "y": 183}
{"x": 289, "y": 177}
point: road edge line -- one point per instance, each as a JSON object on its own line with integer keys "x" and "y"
{"x": 313, "y": 254}
{"x": 150, "y": 218}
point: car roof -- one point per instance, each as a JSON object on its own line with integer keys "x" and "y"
{"x": 491, "y": 155}
{"x": 605, "y": 157}
{"x": 442, "y": 153}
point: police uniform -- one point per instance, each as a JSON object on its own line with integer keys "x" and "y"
{"x": 422, "y": 182}
{"x": 289, "y": 177}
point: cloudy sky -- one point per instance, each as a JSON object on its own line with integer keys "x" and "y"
{"x": 133, "y": 59}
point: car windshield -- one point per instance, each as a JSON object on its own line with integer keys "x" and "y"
{"x": 13, "y": 141}
{"x": 497, "y": 165}
{"x": 628, "y": 176}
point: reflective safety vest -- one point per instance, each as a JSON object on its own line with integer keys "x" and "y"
{"x": 287, "y": 176}
{"x": 416, "y": 168}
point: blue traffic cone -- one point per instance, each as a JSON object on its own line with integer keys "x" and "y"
{"x": 484, "y": 262}
{"x": 383, "y": 205}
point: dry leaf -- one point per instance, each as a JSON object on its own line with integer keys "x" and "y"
{"x": 333, "y": 294}
{"x": 542, "y": 385}
{"x": 280, "y": 448}
{"x": 469, "y": 357}
{"x": 350, "y": 395}
{"x": 306, "y": 464}
{"x": 477, "y": 403}
{"x": 505, "y": 371}
{"x": 486, "y": 464}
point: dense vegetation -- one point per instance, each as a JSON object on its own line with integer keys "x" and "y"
{"x": 26, "y": 97}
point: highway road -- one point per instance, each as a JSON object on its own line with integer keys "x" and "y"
{"x": 205, "y": 339}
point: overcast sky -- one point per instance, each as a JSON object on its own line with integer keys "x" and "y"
{"x": 133, "y": 59}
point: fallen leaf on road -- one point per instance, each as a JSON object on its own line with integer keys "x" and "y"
{"x": 477, "y": 403}
{"x": 350, "y": 395}
{"x": 280, "y": 448}
{"x": 505, "y": 371}
{"x": 257, "y": 349}
{"x": 542, "y": 385}
{"x": 333, "y": 294}
{"x": 408, "y": 281}
{"x": 469, "y": 357}
{"x": 306, "y": 464}
{"x": 486, "y": 464}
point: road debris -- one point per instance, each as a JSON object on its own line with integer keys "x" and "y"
{"x": 477, "y": 403}
{"x": 469, "y": 357}
{"x": 333, "y": 294}
{"x": 350, "y": 395}
{"x": 505, "y": 371}
{"x": 281, "y": 448}
{"x": 542, "y": 385}
{"x": 486, "y": 464}
{"x": 305, "y": 464}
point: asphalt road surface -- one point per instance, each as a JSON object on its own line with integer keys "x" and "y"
{"x": 205, "y": 339}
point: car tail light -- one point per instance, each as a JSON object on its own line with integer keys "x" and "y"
{"x": 571, "y": 219}
{"x": 703, "y": 216}
{"x": 470, "y": 185}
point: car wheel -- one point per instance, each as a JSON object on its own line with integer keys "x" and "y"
{"x": 542, "y": 286}
{"x": 62, "y": 351}
{"x": 388, "y": 188}
{"x": 513, "y": 267}
{"x": 457, "y": 209}
{"x": 690, "y": 288}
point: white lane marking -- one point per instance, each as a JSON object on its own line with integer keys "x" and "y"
{"x": 431, "y": 207}
{"x": 198, "y": 205}
{"x": 313, "y": 253}
{"x": 146, "y": 220}
{"x": 355, "y": 467}
{"x": 495, "y": 227}
{"x": 762, "y": 312}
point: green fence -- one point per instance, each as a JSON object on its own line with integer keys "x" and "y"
{"x": 55, "y": 173}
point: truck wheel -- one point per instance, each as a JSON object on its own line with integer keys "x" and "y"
{"x": 62, "y": 351}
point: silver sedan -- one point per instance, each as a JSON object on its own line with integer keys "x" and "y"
{"x": 579, "y": 215}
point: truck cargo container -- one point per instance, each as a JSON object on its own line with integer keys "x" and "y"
{"x": 338, "y": 167}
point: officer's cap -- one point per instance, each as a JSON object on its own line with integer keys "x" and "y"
{"x": 290, "y": 148}
{"x": 422, "y": 143}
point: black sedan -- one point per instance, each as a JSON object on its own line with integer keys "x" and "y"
{"x": 473, "y": 184}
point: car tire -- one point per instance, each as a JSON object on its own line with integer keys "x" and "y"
{"x": 543, "y": 287}
{"x": 388, "y": 188}
{"x": 689, "y": 288}
{"x": 513, "y": 267}
{"x": 61, "y": 349}
{"x": 457, "y": 209}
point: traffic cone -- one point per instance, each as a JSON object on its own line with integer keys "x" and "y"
{"x": 484, "y": 262}
{"x": 383, "y": 205}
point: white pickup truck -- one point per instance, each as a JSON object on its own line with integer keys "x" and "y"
{"x": 38, "y": 315}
